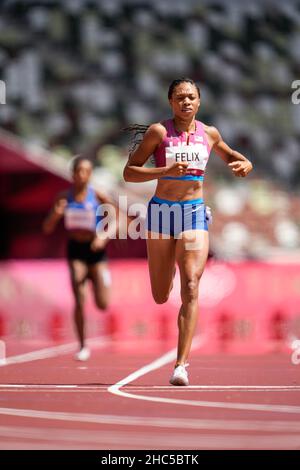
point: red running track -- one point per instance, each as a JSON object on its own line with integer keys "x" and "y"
{"x": 49, "y": 401}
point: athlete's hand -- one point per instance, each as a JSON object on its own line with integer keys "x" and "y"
{"x": 177, "y": 169}
{"x": 98, "y": 244}
{"x": 59, "y": 207}
{"x": 241, "y": 168}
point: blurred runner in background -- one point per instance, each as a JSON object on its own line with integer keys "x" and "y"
{"x": 86, "y": 250}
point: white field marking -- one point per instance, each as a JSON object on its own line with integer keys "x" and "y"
{"x": 213, "y": 442}
{"x": 212, "y": 404}
{"x": 157, "y": 364}
{"x": 50, "y": 352}
{"x": 56, "y": 437}
{"x": 169, "y": 357}
{"x": 149, "y": 389}
{"x": 217, "y": 388}
{"x": 158, "y": 422}
{"x": 180, "y": 442}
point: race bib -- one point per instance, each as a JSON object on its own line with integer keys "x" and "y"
{"x": 80, "y": 219}
{"x": 195, "y": 155}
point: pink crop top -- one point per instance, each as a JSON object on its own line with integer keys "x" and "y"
{"x": 174, "y": 148}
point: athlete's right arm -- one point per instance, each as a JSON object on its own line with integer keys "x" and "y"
{"x": 134, "y": 171}
{"x": 56, "y": 213}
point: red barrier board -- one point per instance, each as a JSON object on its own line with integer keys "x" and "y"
{"x": 243, "y": 307}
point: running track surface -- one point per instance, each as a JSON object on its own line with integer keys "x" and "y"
{"x": 122, "y": 400}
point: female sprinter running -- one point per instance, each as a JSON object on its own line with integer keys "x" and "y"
{"x": 176, "y": 219}
{"x": 86, "y": 253}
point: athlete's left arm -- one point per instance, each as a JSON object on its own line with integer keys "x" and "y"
{"x": 238, "y": 163}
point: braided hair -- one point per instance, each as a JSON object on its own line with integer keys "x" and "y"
{"x": 138, "y": 131}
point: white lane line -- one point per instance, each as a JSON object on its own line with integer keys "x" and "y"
{"x": 66, "y": 437}
{"x": 42, "y": 386}
{"x": 158, "y": 422}
{"x": 104, "y": 390}
{"x": 157, "y": 364}
{"x": 169, "y": 357}
{"x": 213, "y": 404}
{"x": 154, "y": 388}
{"x": 176, "y": 442}
{"x": 50, "y": 352}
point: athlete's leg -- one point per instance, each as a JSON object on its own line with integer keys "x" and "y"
{"x": 161, "y": 261}
{"x": 78, "y": 271}
{"x": 100, "y": 277}
{"x": 191, "y": 256}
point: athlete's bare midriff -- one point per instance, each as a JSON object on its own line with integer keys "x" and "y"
{"x": 179, "y": 190}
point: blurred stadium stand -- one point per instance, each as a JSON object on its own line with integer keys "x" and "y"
{"x": 78, "y": 71}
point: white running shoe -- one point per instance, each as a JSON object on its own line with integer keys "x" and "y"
{"x": 82, "y": 355}
{"x": 180, "y": 375}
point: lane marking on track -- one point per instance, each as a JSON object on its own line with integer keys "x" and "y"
{"x": 158, "y": 422}
{"x": 157, "y": 364}
{"x": 171, "y": 356}
{"x": 69, "y": 439}
{"x": 53, "y": 351}
{"x": 149, "y": 389}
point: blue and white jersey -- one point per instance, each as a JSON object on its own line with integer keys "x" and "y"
{"x": 82, "y": 215}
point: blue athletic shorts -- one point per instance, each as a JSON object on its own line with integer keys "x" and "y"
{"x": 175, "y": 217}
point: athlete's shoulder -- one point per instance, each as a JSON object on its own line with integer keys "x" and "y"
{"x": 157, "y": 128}
{"x": 156, "y": 132}
{"x": 212, "y": 132}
